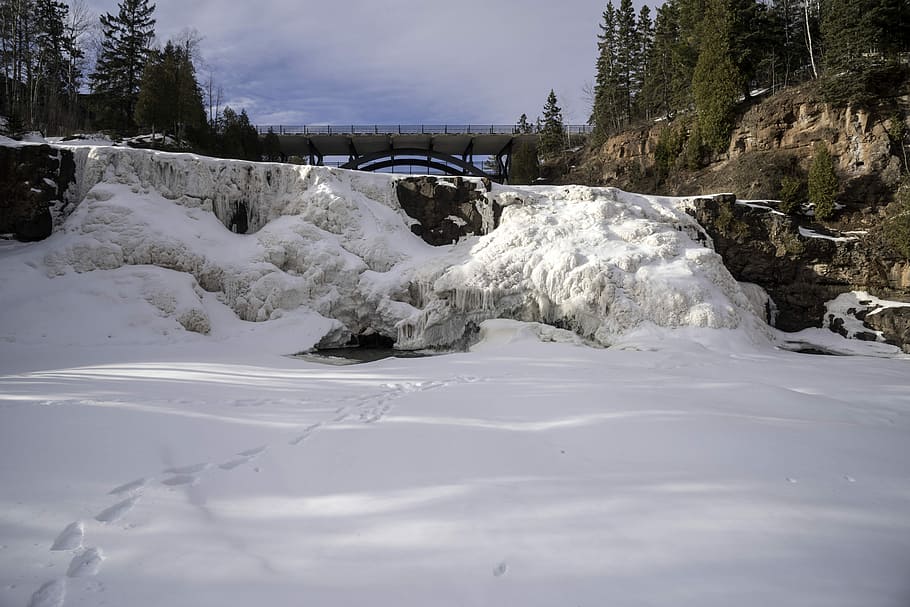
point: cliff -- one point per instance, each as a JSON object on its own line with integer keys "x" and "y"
{"x": 774, "y": 137}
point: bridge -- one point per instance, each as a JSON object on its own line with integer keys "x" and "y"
{"x": 448, "y": 149}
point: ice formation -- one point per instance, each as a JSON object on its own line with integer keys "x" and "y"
{"x": 597, "y": 261}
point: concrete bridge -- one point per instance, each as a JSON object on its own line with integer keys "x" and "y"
{"x": 449, "y": 149}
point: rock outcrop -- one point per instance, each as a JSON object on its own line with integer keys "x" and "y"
{"x": 33, "y": 182}
{"x": 894, "y": 324}
{"x": 448, "y": 208}
{"x": 800, "y": 266}
{"x": 774, "y": 137}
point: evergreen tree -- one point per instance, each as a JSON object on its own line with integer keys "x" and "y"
{"x": 552, "y": 132}
{"x": 823, "y": 183}
{"x": 125, "y": 47}
{"x": 17, "y": 51}
{"x": 862, "y": 45}
{"x": 716, "y": 82}
{"x": 170, "y": 98}
{"x": 748, "y": 39}
{"x": 607, "y": 114}
{"x": 237, "y": 137}
{"x": 627, "y": 41}
{"x": 525, "y": 166}
{"x": 271, "y": 146}
{"x": 523, "y": 127}
{"x": 49, "y": 90}
{"x": 644, "y": 41}
{"x": 659, "y": 95}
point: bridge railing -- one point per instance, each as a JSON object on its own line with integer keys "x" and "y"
{"x": 408, "y": 129}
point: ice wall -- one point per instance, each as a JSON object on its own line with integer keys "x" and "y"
{"x": 597, "y": 261}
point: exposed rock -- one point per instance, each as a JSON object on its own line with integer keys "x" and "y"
{"x": 894, "y": 323}
{"x": 775, "y": 136}
{"x": 448, "y": 208}
{"x": 800, "y": 270}
{"x": 33, "y": 180}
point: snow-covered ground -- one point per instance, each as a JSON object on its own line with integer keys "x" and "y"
{"x": 158, "y": 447}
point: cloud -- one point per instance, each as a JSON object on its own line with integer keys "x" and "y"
{"x": 397, "y": 61}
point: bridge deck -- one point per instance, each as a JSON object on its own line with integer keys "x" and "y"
{"x": 453, "y": 144}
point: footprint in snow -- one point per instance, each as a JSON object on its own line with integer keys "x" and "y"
{"x": 117, "y": 511}
{"x": 253, "y": 452}
{"x": 129, "y": 487}
{"x": 792, "y": 480}
{"x": 306, "y": 433}
{"x": 51, "y": 594}
{"x": 194, "y": 469}
{"x": 849, "y": 478}
{"x": 85, "y": 564}
{"x": 70, "y": 538}
{"x": 500, "y": 569}
{"x": 230, "y": 465}
{"x": 245, "y": 457}
{"x": 180, "y": 479}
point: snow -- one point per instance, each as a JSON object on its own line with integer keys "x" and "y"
{"x": 160, "y": 447}
{"x": 807, "y": 233}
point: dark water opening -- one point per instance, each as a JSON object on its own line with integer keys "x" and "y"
{"x": 359, "y": 355}
{"x": 801, "y": 347}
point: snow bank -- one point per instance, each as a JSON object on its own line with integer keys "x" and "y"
{"x": 599, "y": 262}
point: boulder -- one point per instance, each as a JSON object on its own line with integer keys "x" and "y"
{"x": 33, "y": 180}
{"x": 448, "y": 208}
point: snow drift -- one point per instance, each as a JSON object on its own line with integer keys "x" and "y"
{"x": 597, "y": 261}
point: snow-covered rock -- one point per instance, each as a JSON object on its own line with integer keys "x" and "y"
{"x": 597, "y": 261}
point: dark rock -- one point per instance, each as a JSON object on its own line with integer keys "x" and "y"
{"x": 33, "y": 179}
{"x": 448, "y": 208}
{"x": 799, "y": 273}
{"x": 894, "y": 323}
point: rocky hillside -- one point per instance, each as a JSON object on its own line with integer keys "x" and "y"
{"x": 774, "y": 137}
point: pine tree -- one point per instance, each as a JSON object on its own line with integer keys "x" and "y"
{"x": 644, "y": 41}
{"x": 525, "y": 167}
{"x": 523, "y": 127}
{"x": 823, "y": 183}
{"x": 552, "y": 132}
{"x": 17, "y": 54}
{"x": 271, "y": 146}
{"x": 51, "y": 64}
{"x": 659, "y": 97}
{"x": 170, "y": 98}
{"x": 748, "y": 39}
{"x": 862, "y": 45}
{"x": 125, "y": 47}
{"x": 716, "y": 82}
{"x": 237, "y": 137}
{"x": 606, "y": 115}
{"x": 627, "y": 40}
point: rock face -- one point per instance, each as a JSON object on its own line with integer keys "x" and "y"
{"x": 447, "y": 209}
{"x": 33, "y": 180}
{"x": 894, "y": 323}
{"x": 791, "y": 123}
{"x": 772, "y": 138}
{"x": 800, "y": 268}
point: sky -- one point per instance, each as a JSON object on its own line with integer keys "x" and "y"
{"x": 391, "y": 62}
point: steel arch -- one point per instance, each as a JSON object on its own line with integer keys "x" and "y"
{"x": 415, "y": 157}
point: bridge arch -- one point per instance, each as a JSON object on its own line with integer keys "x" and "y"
{"x": 445, "y": 163}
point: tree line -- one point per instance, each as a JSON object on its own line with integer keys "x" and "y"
{"x": 704, "y": 57}
{"x": 134, "y": 85}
